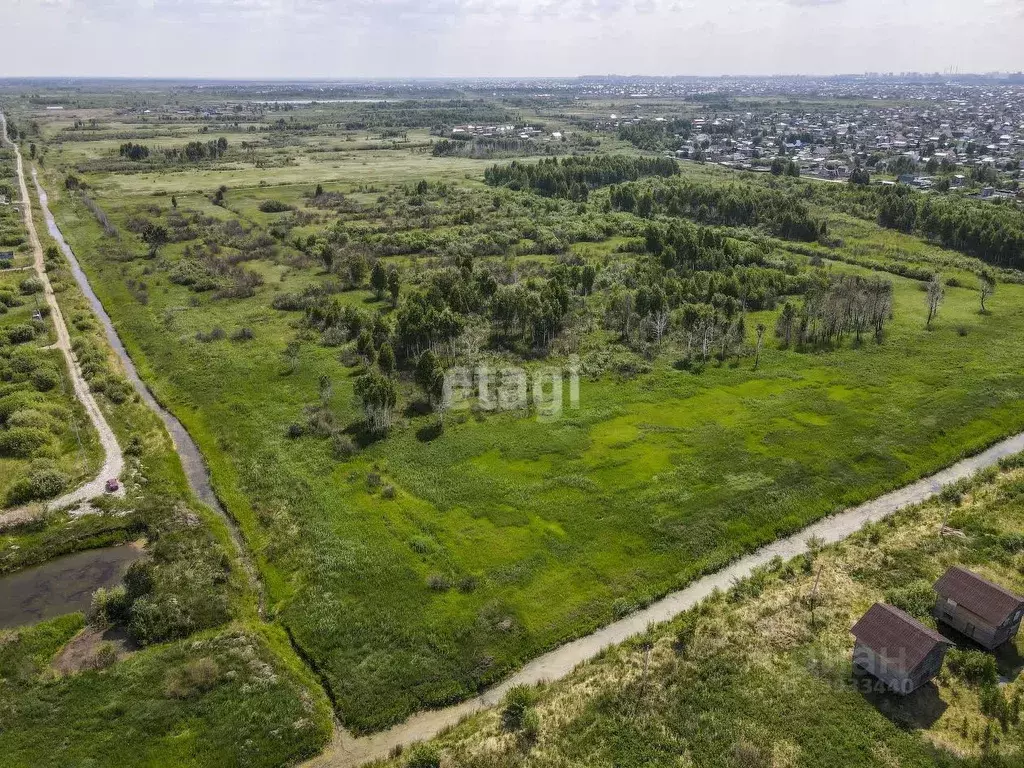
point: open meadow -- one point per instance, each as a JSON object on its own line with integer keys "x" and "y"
{"x": 761, "y": 675}
{"x": 752, "y": 356}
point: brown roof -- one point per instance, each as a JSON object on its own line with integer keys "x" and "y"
{"x": 900, "y": 638}
{"x": 979, "y": 596}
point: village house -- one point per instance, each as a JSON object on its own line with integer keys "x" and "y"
{"x": 897, "y": 649}
{"x": 981, "y": 610}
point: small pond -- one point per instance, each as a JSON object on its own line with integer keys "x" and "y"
{"x": 64, "y": 585}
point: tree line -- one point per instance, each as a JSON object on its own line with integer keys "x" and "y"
{"x": 193, "y": 152}
{"x": 991, "y": 232}
{"x": 732, "y": 205}
{"x": 574, "y": 177}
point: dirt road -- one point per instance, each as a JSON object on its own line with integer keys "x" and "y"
{"x": 113, "y": 459}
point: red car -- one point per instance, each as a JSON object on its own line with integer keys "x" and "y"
{"x": 112, "y": 485}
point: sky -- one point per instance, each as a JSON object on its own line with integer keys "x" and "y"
{"x": 504, "y": 38}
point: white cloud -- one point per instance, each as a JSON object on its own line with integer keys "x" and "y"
{"x": 345, "y": 38}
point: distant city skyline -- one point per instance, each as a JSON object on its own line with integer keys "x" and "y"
{"x": 324, "y": 39}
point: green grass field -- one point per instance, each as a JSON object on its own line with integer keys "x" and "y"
{"x": 762, "y": 675}
{"x": 535, "y": 532}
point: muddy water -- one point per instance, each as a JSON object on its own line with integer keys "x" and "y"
{"x": 64, "y": 585}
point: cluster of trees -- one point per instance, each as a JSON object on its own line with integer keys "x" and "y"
{"x": 835, "y": 307}
{"x": 193, "y": 152}
{"x": 490, "y": 147}
{"x": 779, "y": 212}
{"x": 133, "y": 151}
{"x": 990, "y": 231}
{"x": 436, "y": 115}
{"x": 860, "y": 176}
{"x": 783, "y": 167}
{"x": 657, "y": 135}
{"x": 574, "y": 177}
{"x": 196, "y": 151}
{"x": 533, "y": 312}
{"x": 13, "y": 133}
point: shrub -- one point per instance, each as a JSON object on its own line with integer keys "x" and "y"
{"x": 438, "y": 583}
{"x": 15, "y": 401}
{"x": 134, "y": 447}
{"x": 41, "y": 483}
{"x": 334, "y": 336}
{"x": 19, "y": 334}
{"x": 28, "y": 417}
{"x": 973, "y": 666}
{"x": 117, "y": 390}
{"x": 515, "y": 705}
{"x": 22, "y": 442}
{"x": 916, "y": 598}
{"x": 45, "y": 379}
{"x": 30, "y": 285}
{"x": 24, "y": 361}
{"x": 342, "y": 446}
{"x": 288, "y": 302}
{"x": 105, "y": 656}
{"x": 138, "y": 579}
{"x": 216, "y": 334}
{"x": 154, "y": 620}
{"x": 275, "y": 206}
{"x": 109, "y": 607}
{"x": 242, "y": 334}
{"x": 424, "y": 756}
{"x": 9, "y": 299}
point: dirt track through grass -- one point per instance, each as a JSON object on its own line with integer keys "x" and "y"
{"x": 113, "y": 462}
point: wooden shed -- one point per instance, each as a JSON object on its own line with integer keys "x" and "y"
{"x": 981, "y": 610}
{"x": 897, "y": 649}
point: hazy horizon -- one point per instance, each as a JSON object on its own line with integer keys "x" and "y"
{"x": 405, "y": 39}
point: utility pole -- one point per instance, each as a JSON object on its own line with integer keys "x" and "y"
{"x": 814, "y": 599}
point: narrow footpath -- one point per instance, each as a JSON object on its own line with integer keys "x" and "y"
{"x": 113, "y": 458}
